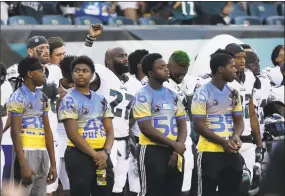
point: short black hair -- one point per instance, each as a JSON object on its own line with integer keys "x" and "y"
{"x": 250, "y": 56}
{"x": 54, "y": 43}
{"x": 275, "y": 54}
{"x": 245, "y": 46}
{"x": 26, "y": 64}
{"x": 65, "y": 66}
{"x": 148, "y": 61}
{"x": 220, "y": 58}
{"x": 134, "y": 58}
{"x": 82, "y": 60}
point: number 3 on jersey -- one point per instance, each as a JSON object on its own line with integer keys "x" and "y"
{"x": 115, "y": 104}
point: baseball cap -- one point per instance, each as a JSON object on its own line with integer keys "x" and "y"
{"x": 36, "y": 41}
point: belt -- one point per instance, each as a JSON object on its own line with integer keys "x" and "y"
{"x": 122, "y": 138}
{"x": 247, "y": 139}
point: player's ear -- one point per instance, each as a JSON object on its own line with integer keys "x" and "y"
{"x": 30, "y": 52}
{"x": 30, "y": 74}
{"x": 150, "y": 73}
{"x": 140, "y": 66}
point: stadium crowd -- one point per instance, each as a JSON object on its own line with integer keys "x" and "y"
{"x": 142, "y": 125}
{"x": 144, "y": 13}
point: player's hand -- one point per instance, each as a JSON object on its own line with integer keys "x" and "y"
{"x": 131, "y": 148}
{"x": 101, "y": 159}
{"x": 95, "y": 30}
{"x": 52, "y": 175}
{"x": 179, "y": 148}
{"x": 27, "y": 175}
{"x": 236, "y": 141}
{"x": 229, "y": 146}
{"x": 173, "y": 160}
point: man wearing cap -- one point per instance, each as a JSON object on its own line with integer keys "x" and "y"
{"x": 277, "y": 56}
{"x": 244, "y": 84}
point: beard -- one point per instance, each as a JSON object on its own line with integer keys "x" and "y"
{"x": 121, "y": 68}
{"x": 174, "y": 78}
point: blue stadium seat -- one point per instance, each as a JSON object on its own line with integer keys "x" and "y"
{"x": 86, "y": 20}
{"x": 262, "y": 10}
{"x": 248, "y": 20}
{"x": 237, "y": 10}
{"x": 55, "y": 20}
{"x": 120, "y": 20}
{"x": 22, "y": 20}
{"x": 275, "y": 20}
{"x": 152, "y": 21}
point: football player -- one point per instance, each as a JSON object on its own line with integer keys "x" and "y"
{"x": 217, "y": 114}
{"x": 161, "y": 118}
{"x": 30, "y": 130}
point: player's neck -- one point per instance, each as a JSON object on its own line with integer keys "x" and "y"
{"x": 30, "y": 86}
{"x": 140, "y": 75}
{"x": 154, "y": 84}
{"x": 218, "y": 82}
{"x": 82, "y": 90}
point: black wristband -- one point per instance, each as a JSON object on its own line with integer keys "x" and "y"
{"x": 89, "y": 40}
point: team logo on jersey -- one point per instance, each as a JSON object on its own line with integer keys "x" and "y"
{"x": 85, "y": 110}
{"x": 156, "y": 108}
{"x": 30, "y": 106}
{"x": 215, "y": 102}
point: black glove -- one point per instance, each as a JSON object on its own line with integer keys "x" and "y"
{"x": 131, "y": 148}
{"x": 259, "y": 154}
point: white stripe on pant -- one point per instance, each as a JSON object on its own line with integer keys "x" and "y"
{"x": 199, "y": 168}
{"x": 142, "y": 171}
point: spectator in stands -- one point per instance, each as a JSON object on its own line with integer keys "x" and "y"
{"x": 101, "y": 10}
{"x": 277, "y": 56}
{"x": 129, "y": 9}
{"x": 184, "y": 11}
{"x": 158, "y": 9}
{"x": 4, "y": 12}
{"x": 212, "y": 13}
{"x": 56, "y": 50}
{"x": 68, "y": 9}
{"x": 32, "y": 8}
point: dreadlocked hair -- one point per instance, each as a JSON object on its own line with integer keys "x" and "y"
{"x": 65, "y": 66}
{"x": 181, "y": 58}
{"x": 134, "y": 59}
{"x": 23, "y": 67}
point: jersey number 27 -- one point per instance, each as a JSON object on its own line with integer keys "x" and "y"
{"x": 115, "y": 104}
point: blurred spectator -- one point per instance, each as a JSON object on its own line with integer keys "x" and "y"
{"x": 212, "y": 13}
{"x": 184, "y": 11}
{"x": 157, "y": 9}
{"x": 129, "y": 9}
{"x": 4, "y": 12}
{"x": 13, "y": 8}
{"x": 101, "y": 10}
{"x": 68, "y": 9}
{"x": 32, "y": 8}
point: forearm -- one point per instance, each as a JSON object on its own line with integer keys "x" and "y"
{"x": 238, "y": 128}
{"x": 50, "y": 147}
{"x": 255, "y": 131}
{"x": 81, "y": 144}
{"x": 156, "y": 136}
{"x": 109, "y": 139}
{"x": 204, "y": 131}
{"x": 182, "y": 132}
{"x": 8, "y": 123}
{"x": 1, "y": 129}
{"x": 18, "y": 147}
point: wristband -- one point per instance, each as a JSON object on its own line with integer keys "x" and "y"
{"x": 89, "y": 40}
